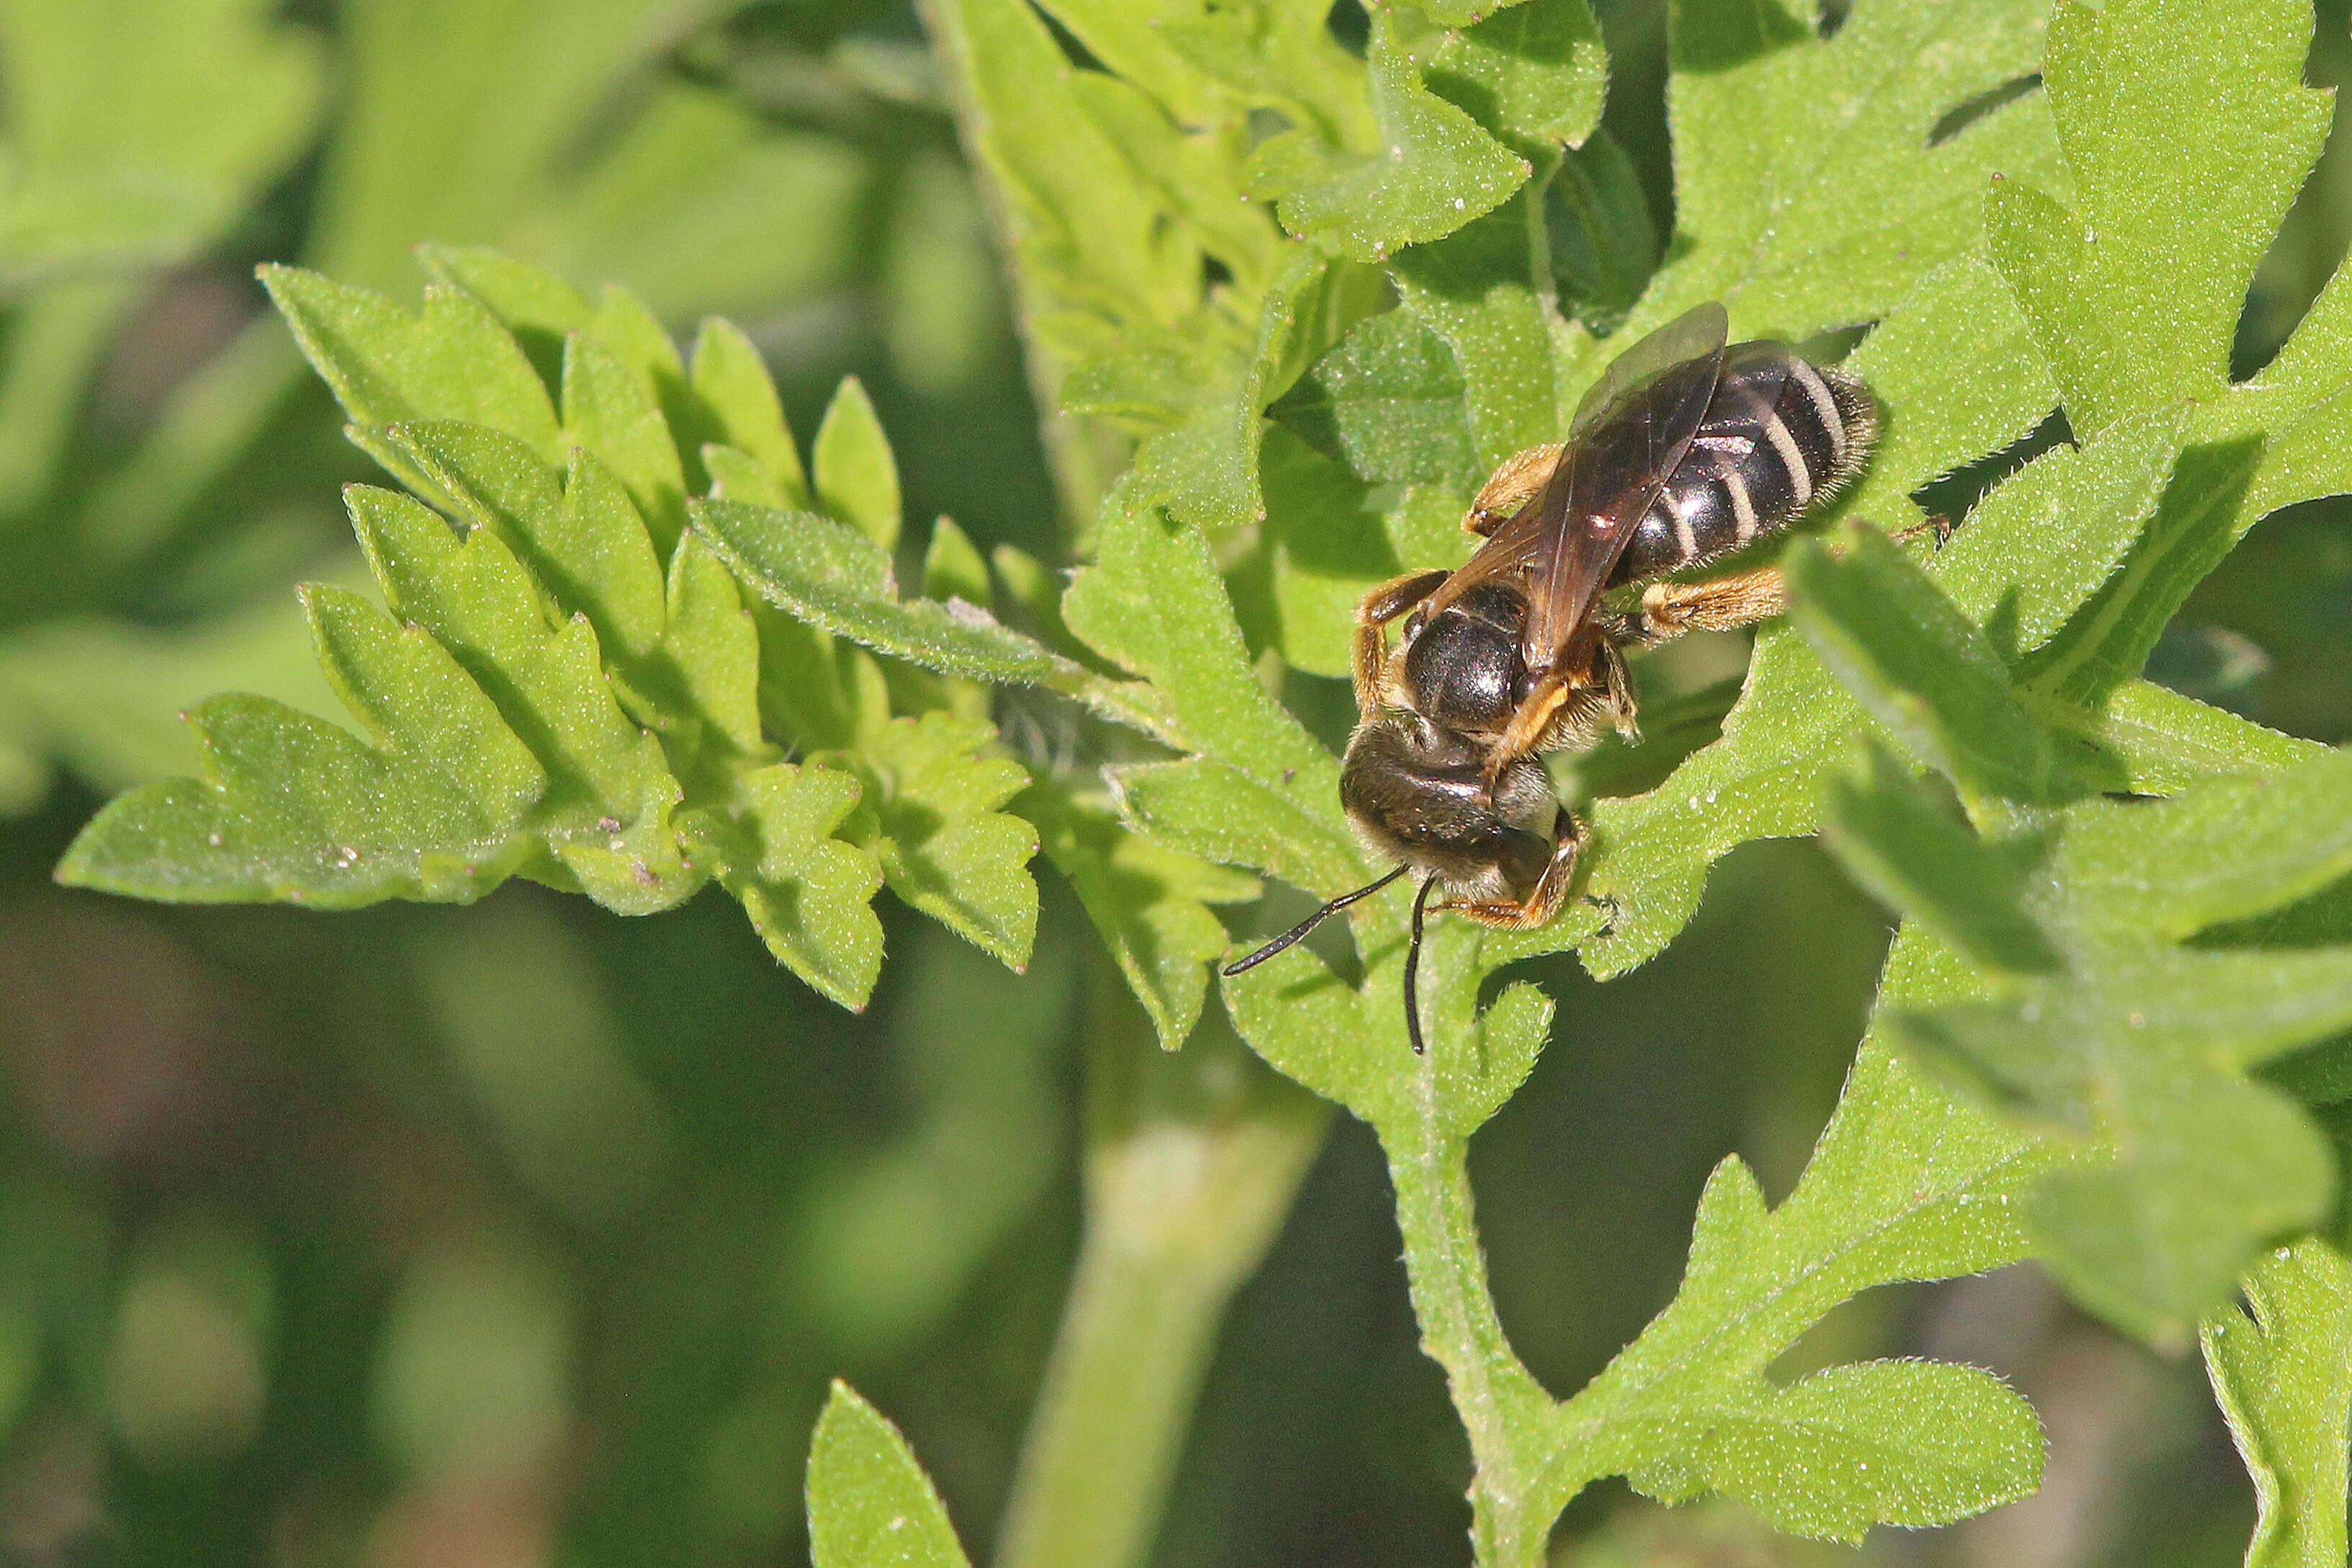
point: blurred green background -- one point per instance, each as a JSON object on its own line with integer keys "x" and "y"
{"x": 521, "y": 1234}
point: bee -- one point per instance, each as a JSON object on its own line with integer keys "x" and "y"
{"x": 1685, "y": 451}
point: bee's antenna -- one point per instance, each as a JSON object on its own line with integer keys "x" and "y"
{"x": 1311, "y": 921}
{"x": 1412, "y": 970}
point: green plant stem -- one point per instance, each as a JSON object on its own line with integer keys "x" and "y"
{"x": 1192, "y": 1160}
{"x": 1501, "y": 1405}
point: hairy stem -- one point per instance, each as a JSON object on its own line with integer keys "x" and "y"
{"x": 1191, "y": 1161}
{"x": 1502, "y": 1406}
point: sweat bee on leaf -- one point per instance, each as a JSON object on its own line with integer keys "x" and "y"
{"x": 1685, "y": 451}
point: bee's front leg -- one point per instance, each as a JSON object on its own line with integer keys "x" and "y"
{"x": 1544, "y": 900}
{"x": 1379, "y": 607}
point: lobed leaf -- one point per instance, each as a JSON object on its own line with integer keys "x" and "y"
{"x": 2282, "y": 1373}
{"x": 1148, "y": 901}
{"x": 1430, "y": 170}
{"x": 930, "y": 810}
{"x": 2188, "y": 129}
{"x": 809, "y": 893}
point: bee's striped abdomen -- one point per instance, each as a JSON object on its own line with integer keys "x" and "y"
{"x": 1778, "y": 434}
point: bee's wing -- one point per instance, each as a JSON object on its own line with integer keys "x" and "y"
{"x": 1630, "y": 434}
{"x": 1697, "y": 332}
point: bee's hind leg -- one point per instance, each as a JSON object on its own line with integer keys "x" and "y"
{"x": 1717, "y": 604}
{"x": 1741, "y": 599}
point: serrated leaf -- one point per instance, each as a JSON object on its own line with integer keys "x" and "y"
{"x": 387, "y": 366}
{"x": 737, "y": 406}
{"x": 930, "y": 805}
{"x": 1902, "y": 1187}
{"x": 1532, "y": 75}
{"x": 2283, "y": 1375}
{"x": 1388, "y": 402}
{"x": 710, "y": 647}
{"x": 869, "y": 1503}
{"x": 1327, "y": 551}
{"x": 1956, "y": 373}
{"x": 293, "y": 808}
{"x": 833, "y": 577}
{"x": 1476, "y": 289}
{"x": 856, "y": 478}
{"x": 579, "y": 532}
{"x": 610, "y": 409}
{"x": 611, "y": 793}
{"x": 2049, "y": 538}
{"x": 1431, "y": 171}
{"x": 1153, "y": 603}
{"x": 1910, "y": 852}
{"x": 1149, "y": 902}
{"x": 1205, "y": 470}
{"x": 2140, "y": 1053}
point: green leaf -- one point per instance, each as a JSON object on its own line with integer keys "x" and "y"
{"x": 1955, "y": 375}
{"x": 953, "y": 568}
{"x": 1205, "y": 470}
{"x": 1532, "y": 75}
{"x": 2139, "y": 1052}
{"x": 855, "y": 476}
{"x": 869, "y": 1503}
{"x": 809, "y": 893}
{"x": 1900, "y": 645}
{"x": 387, "y": 366}
{"x": 2283, "y": 1375}
{"x": 2050, "y": 537}
{"x": 2188, "y": 131}
{"x": 1809, "y": 193}
{"x": 1431, "y": 171}
{"x": 1902, "y": 1187}
{"x": 1153, "y": 603}
{"x": 1219, "y": 812}
{"x": 1893, "y": 1442}
{"x": 833, "y": 577}
{"x": 611, "y": 793}
{"x": 292, "y": 808}
{"x": 1908, "y": 850}
{"x": 931, "y": 794}
{"x": 1388, "y": 402}
{"x": 1477, "y": 288}
{"x": 610, "y": 409}
{"x": 1149, "y": 902}
{"x": 580, "y": 534}
{"x": 1604, "y": 239}
{"x": 737, "y": 406}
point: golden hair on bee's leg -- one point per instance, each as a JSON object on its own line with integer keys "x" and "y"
{"x": 1717, "y": 604}
{"x": 1377, "y": 609}
{"x": 1518, "y": 479}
